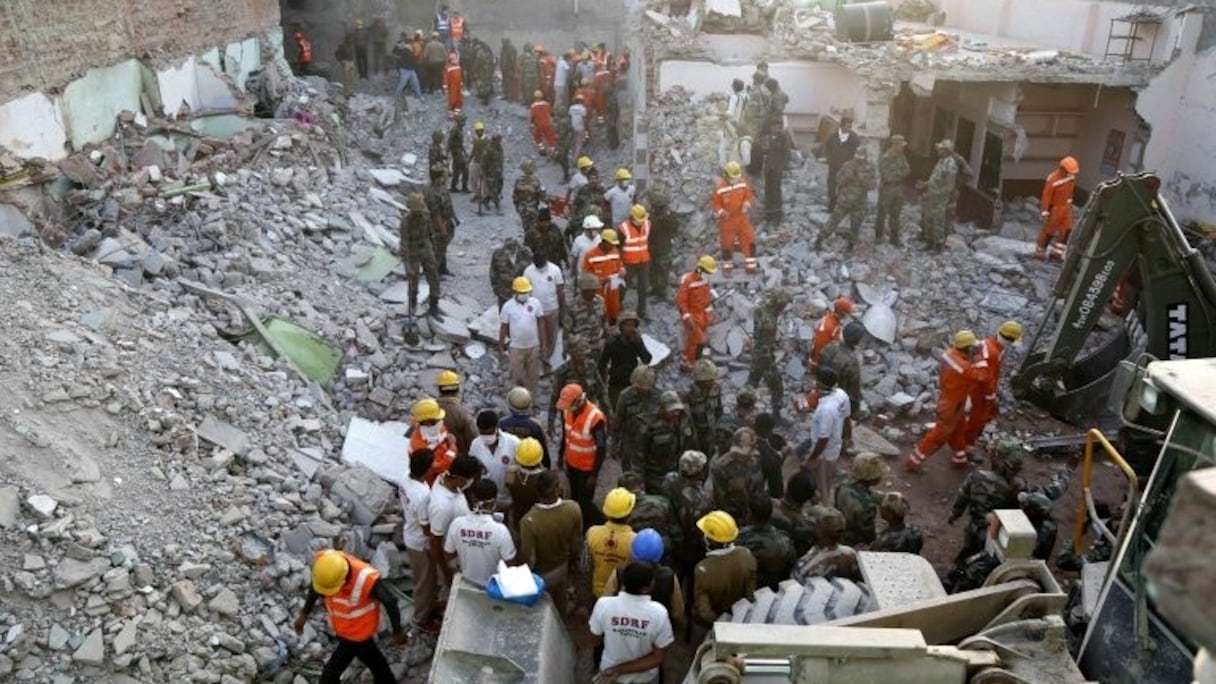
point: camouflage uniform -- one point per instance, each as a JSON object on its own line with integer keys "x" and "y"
{"x": 418, "y": 250}
{"x": 504, "y": 268}
{"x": 589, "y": 199}
{"x": 664, "y": 226}
{"x": 756, "y": 111}
{"x": 795, "y": 523}
{"x": 443, "y": 220}
{"x": 971, "y": 572}
{"x": 483, "y": 73}
{"x": 549, "y": 242}
{"x": 965, "y": 173}
{"x": 837, "y": 560}
{"x": 765, "y": 320}
{"x": 438, "y": 154}
{"x": 491, "y": 174}
{"x": 460, "y": 157}
{"x": 1037, "y": 507}
{"x": 858, "y": 504}
{"x": 937, "y": 200}
{"x": 528, "y": 195}
{"x": 690, "y": 502}
{"x": 773, "y": 550}
{"x": 663, "y": 441}
{"x": 893, "y": 172}
{"x": 565, "y": 142}
{"x": 586, "y": 375}
{"x": 842, "y": 359}
{"x": 635, "y": 410}
{"x": 981, "y": 493}
{"x": 856, "y": 178}
{"x": 901, "y": 539}
{"x": 656, "y": 512}
{"x": 585, "y": 319}
{"x": 705, "y": 410}
{"x": 736, "y": 479}
{"x": 724, "y": 431}
{"x": 507, "y": 59}
{"x": 529, "y": 73}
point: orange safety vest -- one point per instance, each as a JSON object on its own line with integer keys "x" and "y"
{"x": 729, "y": 197}
{"x": 991, "y": 352}
{"x": 826, "y": 332}
{"x": 1057, "y": 199}
{"x": 353, "y": 613}
{"x": 445, "y": 453}
{"x": 580, "y": 440}
{"x": 457, "y": 28}
{"x": 636, "y": 249}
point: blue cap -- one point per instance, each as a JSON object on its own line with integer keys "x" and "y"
{"x": 648, "y": 546}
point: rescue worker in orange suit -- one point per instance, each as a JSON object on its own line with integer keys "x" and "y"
{"x": 732, "y": 198}
{"x": 429, "y": 432}
{"x": 604, "y": 262}
{"x": 353, "y": 595}
{"x": 961, "y": 372}
{"x": 1056, "y": 208}
{"x": 636, "y": 254}
{"x": 541, "y": 119}
{"x": 548, "y": 72}
{"x": 584, "y": 445}
{"x": 601, "y": 83}
{"x": 830, "y": 328}
{"x": 984, "y": 404}
{"x": 694, "y": 300}
{"x": 453, "y": 83}
{"x": 303, "y": 53}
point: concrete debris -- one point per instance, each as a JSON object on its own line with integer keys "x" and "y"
{"x": 225, "y": 603}
{"x": 42, "y": 505}
{"x": 10, "y": 507}
{"x": 13, "y": 222}
{"x": 185, "y": 595}
{"x": 225, "y": 435}
{"x": 880, "y": 322}
{"x": 71, "y": 572}
{"x": 127, "y": 637}
{"x": 92, "y": 651}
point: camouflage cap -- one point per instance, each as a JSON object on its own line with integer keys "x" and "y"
{"x": 827, "y": 517}
{"x": 868, "y": 466}
{"x": 779, "y": 298}
{"x": 1010, "y": 451}
{"x": 460, "y": 117}
{"x": 586, "y": 281}
{"x": 628, "y": 315}
{"x": 631, "y": 480}
{"x": 527, "y": 166}
{"x": 658, "y": 198}
{"x": 745, "y": 399}
{"x": 744, "y": 440}
{"x": 670, "y": 401}
{"x": 415, "y": 202}
{"x": 693, "y": 462}
{"x": 895, "y": 503}
{"x": 1035, "y": 503}
{"x": 704, "y": 370}
{"x": 642, "y": 378}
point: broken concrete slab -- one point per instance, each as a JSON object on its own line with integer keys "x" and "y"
{"x": 866, "y": 439}
{"x": 42, "y": 505}
{"x": 13, "y": 223}
{"x": 377, "y": 448}
{"x": 10, "y": 507}
{"x": 658, "y": 351}
{"x": 126, "y": 638}
{"x": 92, "y": 650}
{"x": 1004, "y": 247}
{"x": 366, "y": 492}
{"x": 384, "y": 198}
{"x": 71, "y": 572}
{"x": 112, "y": 252}
{"x": 398, "y": 293}
{"x": 225, "y": 435}
{"x": 879, "y": 320}
{"x": 185, "y": 595}
{"x": 1004, "y": 303}
{"x": 389, "y": 178}
{"x": 308, "y": 460}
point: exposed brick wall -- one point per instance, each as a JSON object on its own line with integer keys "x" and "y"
{"x": 46, "y": 43}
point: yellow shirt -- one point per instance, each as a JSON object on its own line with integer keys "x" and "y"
{"x": 609, "y": 547}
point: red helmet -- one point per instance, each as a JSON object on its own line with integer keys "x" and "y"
{"x": 844, "y": 306}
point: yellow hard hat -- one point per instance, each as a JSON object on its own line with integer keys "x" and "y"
{"x": 447, "y": 379}
{"x": 732, "y": 169}
{"x": 329, "y": 572}
{"x": 965, "y": 339}
{"x": 537, "y": 95}
{"x": 521, "y": 285}
{"x": 427, "y": 409}
{"x": 708, "y": 264}
{"x": 1010, "y": 330}
{"x": 609, "y": 235}
{"x": 479, "y": 126}
{"x": 638, "y": 212}
{"x": 529, "y": 452}
{"x": 619, "y": 503}
{"x": 584, "y": 162}
{"x": 718, "y": 526}
{"x": 623, "y": 174}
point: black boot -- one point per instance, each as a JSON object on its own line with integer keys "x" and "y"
{"x": 432, "y": 308}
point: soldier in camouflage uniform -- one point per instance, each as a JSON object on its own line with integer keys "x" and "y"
{"x": 443, "y": 218}
{"x": 477, "y": 158}
{"x": 893, "y": 174}
{"x": 663, "y": 440}
{"x": 528, "y": 195}
{"x": 565, "y": 142}
{"x": 491, "y": 172}
{"x": 418, "y": 253}
{"x": 937, "y": 197}
{"x": 1037, "y": 508}
{"x": 857, "y": 500}
{"x": 636, "y": 408}
{"x": 459, "y": 155}
{"x": 505, "y": 266}
{"x": 686, "y": 492}
{"x": 790, "y": 514}
{"x": 653, "y": 510}
{"x": 508, "y": 57}
{"x": 897, "y": 537}
{"x": 772, "y": 548}
{"x": 743, "y": 416}
{"x": 529, "y": 71}
{"x": 963, "y": 178}
{"x": 737, "y": 477}
{"x": 756, "y": 111}
{"x": 842, "y": 357}
{"x": 765, "y": 321}
{"x": 664, "y": 226}
{"x": 438, "y": 154}
{"x": 828, "y": 558}
{"x": 855, "y": 180}
{"x": 483, "y": 72}
{"x": 585, "y": 317}
{"x": 580, "y": 370}
{"x": 985, "y": 491}
{"x": 588, "y": 199}
{"x": 547, "y": 240}
{"x": 704, "y": 400}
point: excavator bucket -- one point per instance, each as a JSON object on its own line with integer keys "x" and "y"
{"x": 486, "y": 640}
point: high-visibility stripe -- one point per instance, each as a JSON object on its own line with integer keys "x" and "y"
{"x": 949, "y": 360}
{"x": 1063, "y": 181}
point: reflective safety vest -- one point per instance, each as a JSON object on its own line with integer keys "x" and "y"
{"x": 694, "y": 296}
{"x": 442, "y": 23}
{"x": 353, "y": 613}
{"x": 992, "y": 351}
{"x": 636, "y": 249}
{"x": 457, "y": 28}
{"x": 829, "y": 330}
{"x": 602, "y": 263}
{"x": 445, "y": 453}
{"x": 580, "y": 438}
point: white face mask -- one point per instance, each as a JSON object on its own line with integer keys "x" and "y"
{"x": 521, "y": 298}
{"x": 431, "y": 433}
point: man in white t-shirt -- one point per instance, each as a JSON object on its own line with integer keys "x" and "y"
{"x": 578, "y": 124}
{"x": 547, "y": 281}
{"x": 496, "y": 451}
{"x": 829, "y": 424}
{"x": 446, "y": 505}
{"x": 522, "y": 321}
{"x": 635, "y": 632}
{"x": 415, "y": 498}
{"x": 478, "y": 540}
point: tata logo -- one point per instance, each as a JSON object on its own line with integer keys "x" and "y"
{"x": 1177, "y": 347}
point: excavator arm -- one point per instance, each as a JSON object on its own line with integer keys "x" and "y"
{"x": 1127, "y": 235}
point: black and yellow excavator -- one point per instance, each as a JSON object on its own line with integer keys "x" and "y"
{"x": 1127, "y": 246}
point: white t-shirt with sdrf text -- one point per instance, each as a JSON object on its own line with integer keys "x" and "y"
{"x": 828, "y": 421}
{"x": 632, "y": 626}
{"x": 545, "y": 283}
{"x": 479, "y": 542}
{"x": 522, "y": 322}
{"x": 415, "y": 503}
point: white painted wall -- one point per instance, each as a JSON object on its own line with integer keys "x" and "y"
{"x": 196, "y": 83}
{"x": 32, "y": 126}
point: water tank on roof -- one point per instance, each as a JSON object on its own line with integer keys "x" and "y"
{"x": 865, "y": 22}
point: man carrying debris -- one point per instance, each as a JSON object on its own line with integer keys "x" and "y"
{"x": 736, "y": 475}
{"x": 985, "y": 404}
{"x": 604, "y": 262}
{"x": 443, "y": 218}
{"x": 840, "y": 148}
{"x": 528, "y": 195}
{"x": 635, "y": 408}
{"x": 635, "y": 254}
{"x": 353, "y": 595}
{"x": 830, "y": 328}
{"x": 857, "y": 500}
{"x": 731, "y": 201}
{"x": 704, "y": 401}
{"x": 897, "y": 536}
{"x": 937, "y": 197}
{"x": 429, "y": 432}
{"x": 418, "y": 253}
{"x": 664, "y": 226}
{"x": 456, "y": 419}
{"x": 694, "y": 300}
{"x": 854, "y": 182}
{"x": 583, "y": 448}
{"x": 585, "y": 319}
{"x": 893, "y": 174}
{"x": 960, "y": 372}
{"x": 663, "y": 441}
{"x": 540, "y": 118}
{"x": 623, "y": 353}
{"x": 766, "y": 320}
{"x": 1056, "y": 208}
{"x": 458, "y": 154}
{"x": 523, "y": 323}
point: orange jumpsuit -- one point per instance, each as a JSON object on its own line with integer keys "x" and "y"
{"x": 601, "y": 84}
{"x": 731, "y": 201}
{"x": 453, "y": 82}
{"x": 548, "y": 71}
{"x": 604, "y": 262}
{"x": 444, "y": 448}
{"x": 542, "y": 124}
{"x": 984, "y": 406}
{"x": 829, "y": 330}
{"x": 959, "y": 378}
{"x": 1057, "y": 202}
{"x": 694, "y": 302}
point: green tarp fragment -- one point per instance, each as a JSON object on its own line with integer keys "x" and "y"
{"x": 381, "y": 264}
{"x": 317, "y": 359}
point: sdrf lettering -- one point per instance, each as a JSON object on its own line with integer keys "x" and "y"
{"x": 474, "y": 534}
{"x": 630, "y": 622}
{"x": 1177, "y": 342}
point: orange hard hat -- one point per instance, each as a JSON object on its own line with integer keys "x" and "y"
{"x": 1070, "y": 165}
{"x": 539, "y": 48}
{"x": 844, "y": 305}
{"x": 570, "y": 394}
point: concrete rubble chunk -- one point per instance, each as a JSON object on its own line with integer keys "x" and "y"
{"x": 185, "y": 595}
{"x": 225, "y": 603}
{"x": 57, "y": 637}
{"x": 92, "y": 651}
{"x": 42, "y": 505}
{"x": 389, "y": 178}
{"x": 364, "y": 491}
{"x": 10, "y": 507}
{"x": 126, "y": 638}
{"x": 225, "y": 435}
{"x": 71, "y": 572}
{"x": 13, "y": 223}
{"x": 879, "y": 320}
{"x": 376, "y": 447}
{"x": 866, "y": 439}
{"x": 111, "y": 252}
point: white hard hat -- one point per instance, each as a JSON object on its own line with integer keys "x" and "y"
{"x": 592, "y": 222}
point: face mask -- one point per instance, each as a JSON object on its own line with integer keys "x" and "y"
{"x": 539, "y": 263}
{"x": 521, "y": 298}
{"x": 431, "y": 433}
